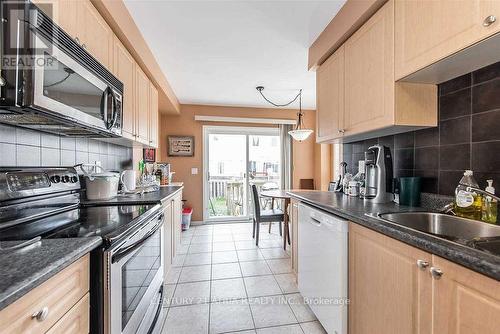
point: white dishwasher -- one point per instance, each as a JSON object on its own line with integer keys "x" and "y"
{"x": 322, "y": 263}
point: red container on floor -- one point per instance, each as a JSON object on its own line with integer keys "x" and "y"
{"x": 186, "y": 218}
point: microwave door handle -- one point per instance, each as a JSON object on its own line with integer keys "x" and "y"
{"x": 104, "y": 107}
{"x": 114, "y": 110}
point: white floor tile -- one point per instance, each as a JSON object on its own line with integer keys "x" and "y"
{"x": 274, "y": 253}
{"x": 247, "y": 244}
{"x": 194, "y": 274}
{"x": 287, "y": 283}
{"x": 223, "y": 246}
{"x": 200, "y": 248}
{"x": 183, "y": 249}
{"x": 224, "y": 257}
{"x": 178, "y": 260}
{"x": 255, "y": 268}
{"x": 230, "y": 316}
{"x": 246, "y": 236}
{"x": 313, "y": 327}
{"x": 302, "y": 311}
{"x": 289, "y": 329}
{"x": 198, "y": 259}
{"x": 223, "y": 238}
{"x": 270, "y": 243}
{"x": 226, "y": 270}
{"x": 191, "y": 293}
{"x": 280, "y": 266}
{"x": 250, "y": 255}
{"x": 201, "y": 239}
{"x": 173, "y": 276}
{"x": 271, "y": 311}
{"x": 258, "y": 286}
{"x": 192, "y": 319}
{"x": 168, "y": 293}
{"x": 228, "y": 289}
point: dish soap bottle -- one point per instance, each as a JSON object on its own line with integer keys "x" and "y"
{"x": 490, "y": 205}
{"x": 468, "y": 203}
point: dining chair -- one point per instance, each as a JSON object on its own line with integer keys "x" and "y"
{"x": 307, "y": 184}
{"x": 263, "y": 216}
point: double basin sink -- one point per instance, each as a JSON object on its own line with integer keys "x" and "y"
{"x": 472, "y": 233}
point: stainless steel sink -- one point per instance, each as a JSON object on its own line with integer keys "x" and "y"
{"x": 445, "y": 226}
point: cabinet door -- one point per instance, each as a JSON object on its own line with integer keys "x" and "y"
{"x": 124, "y": 69}
{"x": 369, "y": 74}
{"x": 63, "y": 12}
{"x": 153, "y": 126}
{"x": 388, "y": 291}
{"x": 94, "y": 33}
{"x": 330, "y": 97}
{"x": 294, "y": 222}
{"x": 464, "y": 301}
{"x": 167, "y": 228}
{"x": 142, "y": 105}
{"x": 427, "y": 31}
{"x": 177, "y": 220}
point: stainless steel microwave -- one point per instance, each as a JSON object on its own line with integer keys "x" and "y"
{"x": 51, "y": 83}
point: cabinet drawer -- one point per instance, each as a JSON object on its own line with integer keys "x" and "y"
{"x": 57, "y": 295}
{"x": 76, "y": 321}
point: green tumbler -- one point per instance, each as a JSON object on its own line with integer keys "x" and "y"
{"x": 409, "y": 191}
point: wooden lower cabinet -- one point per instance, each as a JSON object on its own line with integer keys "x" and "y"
{"x": 392, "y": 290}
{"x": 64, "y": 297}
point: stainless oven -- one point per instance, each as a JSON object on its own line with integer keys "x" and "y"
{"x": 133, "y": 280}
{"x": 51, "y": 83}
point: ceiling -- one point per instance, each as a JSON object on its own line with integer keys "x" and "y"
{"x": 217, "y": 52}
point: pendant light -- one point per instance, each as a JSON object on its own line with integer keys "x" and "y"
{"x": 299, "y": 133}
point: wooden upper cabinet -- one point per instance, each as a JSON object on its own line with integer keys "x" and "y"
{"x": 154, "y": 116}
{"x": 427, "y": 31}
{"x": 464, "y": 301}
{"x": 124, "y": 70}
{"x": 330, "y": 97}
{"x": 62, "y": 12}
{"x": 142, "y": 105}
{"x": 388, "y": 292}
{"x": 94, "y": 33}
{"x": 369, "y": 74}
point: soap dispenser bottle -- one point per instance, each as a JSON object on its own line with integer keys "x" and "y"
{"x": 467, "y": 202}
{"x": 490, "y": 205}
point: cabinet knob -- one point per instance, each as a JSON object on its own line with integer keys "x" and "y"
{"x": 41, "y": 315}
{"x": 84, "y": 46}
{"x": 422, "y": 264}
{"x": 489, "y": 20}
{"x": 436, "y": 272}
{"x": 341, "y": 130}
{"x": 77, "y": 40}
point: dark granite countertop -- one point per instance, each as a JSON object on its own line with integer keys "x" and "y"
{"x": 154, "y": 197}
{"x": 354, "y": 209}
{"x": 24, "y": 269}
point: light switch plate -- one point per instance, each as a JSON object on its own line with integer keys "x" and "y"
{"x": 194, "y": 171}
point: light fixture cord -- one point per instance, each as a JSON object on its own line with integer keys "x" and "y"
{"x": 282, "y": 105}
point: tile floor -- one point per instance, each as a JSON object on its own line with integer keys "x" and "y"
{"x": 221, "y": 282}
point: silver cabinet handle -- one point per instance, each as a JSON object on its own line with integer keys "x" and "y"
{"x": 41, "y": 315}
{"x": 436, "y": 272}
{"x": 341, "y": 130}
{"x": 77, "y": 40}
{"x": 489, "y": 20}
{"x": 84, "y": 46}
{"x": 422, "y": 264}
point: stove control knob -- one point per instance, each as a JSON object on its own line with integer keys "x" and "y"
{"x": 65, "y": 179}
{"x": 74, "y": 179}
{"x": 55, "y": 179}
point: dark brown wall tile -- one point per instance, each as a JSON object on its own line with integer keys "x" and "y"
{"x": 482, "y": 177}
{"x": 387, "y": 141}
{"x": 403, "y": 172}
{"x": 427, "y": 137}
{"x": 452, "y": 85}
{"x": 454, "y": 157}
{"x": 429, "y": 180}
{"x": 403, "y": 158}
{"x": 427, "y": 158}
{"x": 448, "y": 181}
{"x": 455, "y": 104}
{"x": 404, "y": 140}
{"x": 486, "y": 73}
{"x": 486, "y": 96}
{"x": 455, "y": 131}
{"x": 486, "y": 156}
{"x": 485, "y": 126}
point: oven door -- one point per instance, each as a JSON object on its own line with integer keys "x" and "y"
{"x": 133, "y": 292}
{"x": 67, "y": 90}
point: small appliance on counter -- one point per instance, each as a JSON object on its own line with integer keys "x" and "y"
{"x": 378, "y": 182}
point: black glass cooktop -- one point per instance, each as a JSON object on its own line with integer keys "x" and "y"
{"x": 82, "y": 222}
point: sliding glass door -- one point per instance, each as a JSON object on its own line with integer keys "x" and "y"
{"x": 234, "y": 158}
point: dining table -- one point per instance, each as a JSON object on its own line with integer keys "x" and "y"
{"x": 279, "y": 194}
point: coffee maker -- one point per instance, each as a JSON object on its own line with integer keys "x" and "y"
{"x": 378, "y": 184}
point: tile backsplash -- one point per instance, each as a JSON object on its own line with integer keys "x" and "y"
{"x": 468, "y": 136}
{"x": 22, "y": 147}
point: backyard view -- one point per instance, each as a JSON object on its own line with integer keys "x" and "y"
{"x": 228, "y": 168}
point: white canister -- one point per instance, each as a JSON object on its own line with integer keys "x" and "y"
{"x": 128, "y": 180}
{"x": 353, "y": 188}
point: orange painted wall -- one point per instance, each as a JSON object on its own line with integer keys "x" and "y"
{"x": 184, "y": 124}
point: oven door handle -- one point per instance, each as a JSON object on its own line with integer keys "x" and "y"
{"x": 158, "y": 310}
{"x": 127, "y": 250}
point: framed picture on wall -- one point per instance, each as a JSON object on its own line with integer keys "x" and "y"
{"x": 149, "y": 155}
{"x": 180, "y": 146}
